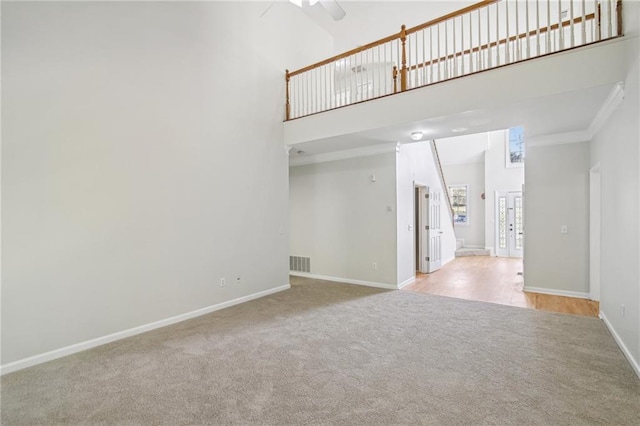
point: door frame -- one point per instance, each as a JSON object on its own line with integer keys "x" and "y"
{"x": 595, "y": 231}
{"x": 418, "y": 239}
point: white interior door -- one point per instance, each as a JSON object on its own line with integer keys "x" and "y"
{"x": 434, "y": 234}
{"x": 509, "y": 224}
{"x": 423, "y": 233}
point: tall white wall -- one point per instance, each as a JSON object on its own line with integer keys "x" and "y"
{"x": 499, "y": 178}
{"x": 557, "y": 194}
{"x": 616, "y": 148}
{"x": 343, "y": 221}
{"x": 473, "y": 175}
{"x": 415, "y": 164}
{"x": 142, "y": 161}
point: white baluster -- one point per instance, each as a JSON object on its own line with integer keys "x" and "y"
{"x": 461, "y": 45}
{"x": 431, "y": 54}
{"x": 609, "y": 18}
{"x": 455, "y": 48}
{"x": 488, "y": 37}
{"x": 571, "y": 28}
{"x": 584, "y": 23}
{"x": 479, "y": 57}
{"x": 517, "y": 53}
{"x": 497, "y": 34}
{"x": 439, "y": 71}
{"x": 507, "y": 51}
{"x": 537, "y": 27}
{"x": 560, "y": 27}
{"x": 446, "y": 51}
{"x": 548, "y": 27}
{"x": 528, "y": 40}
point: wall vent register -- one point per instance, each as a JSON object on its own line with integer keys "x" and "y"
{"x": 299, "y": 264}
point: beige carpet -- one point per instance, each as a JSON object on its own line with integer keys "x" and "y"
{"x": 324, "y": 353}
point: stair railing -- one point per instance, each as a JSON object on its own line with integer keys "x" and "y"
{"x": 477, "y": 38}
{"x": 436, "y": 156}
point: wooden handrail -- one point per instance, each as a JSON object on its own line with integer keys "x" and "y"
{"x": 346, "y": 54}
{"x": 451, "y": 15}
{"x": 396, "y": 36}
{"x": 400, "y": 72}
{"x": 531, "y": 33}
{"x": 444, "y": 183}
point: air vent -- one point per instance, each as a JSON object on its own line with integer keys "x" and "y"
{"x": 299, "y": 264}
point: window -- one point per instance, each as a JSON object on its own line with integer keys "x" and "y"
{"x": 458, "y": 194}
{"x": 515, "y": 147}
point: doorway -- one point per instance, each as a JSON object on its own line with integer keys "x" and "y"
{"x": 427, "y": 235}
{"x": 509, "y": 219}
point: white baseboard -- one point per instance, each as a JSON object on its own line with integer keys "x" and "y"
{"x": 577, "y": 294}
{"x": 474, "y": 247}
{"x": 344, "y": 280}
{"x": 492, "y": 251}
{"x": 406, "y": 283}
{"x": 634, "y": 363}
{"x": 444, "y": 262}
{"x": 82, "y": 346}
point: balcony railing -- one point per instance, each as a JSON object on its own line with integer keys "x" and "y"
{"x": 486, "y": 35}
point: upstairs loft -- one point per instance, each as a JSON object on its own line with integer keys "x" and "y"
{"x": 483, "y": 36}
{"x": 503, "y": 36}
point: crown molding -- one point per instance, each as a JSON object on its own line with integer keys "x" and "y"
{"x": 608, "y": 107}
{"x": 365, "y": 151}
{"x": 604, "y": 113}
{"x": 559, "y": 138}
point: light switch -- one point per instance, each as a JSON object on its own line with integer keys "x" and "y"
{"x": 563, "y": 229}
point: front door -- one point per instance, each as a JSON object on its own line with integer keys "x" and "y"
{"x": 509, "y": 224}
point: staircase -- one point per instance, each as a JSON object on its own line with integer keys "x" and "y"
{"x": 462, "y": 251}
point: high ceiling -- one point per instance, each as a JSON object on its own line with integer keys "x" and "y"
{"x": 566, "y": 112}
{"x": 367, "y": 21}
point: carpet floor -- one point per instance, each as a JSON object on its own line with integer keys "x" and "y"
{"x": 326, "y": 353}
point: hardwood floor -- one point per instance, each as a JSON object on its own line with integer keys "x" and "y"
{"x": 495, "y": 280}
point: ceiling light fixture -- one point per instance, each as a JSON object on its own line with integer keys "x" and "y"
{"x": 459, "y": 129}
{"x": 416, "y": 136}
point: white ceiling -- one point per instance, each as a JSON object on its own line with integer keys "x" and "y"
{"x": 563, "y": 113}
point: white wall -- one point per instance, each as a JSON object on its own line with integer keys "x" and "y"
{"x": 343, "y": 221}
{"x": 557, "y": 194}
{"x": 616, "y": 148}
{"x": 499, "y": 178}
{"x": 471, "y": 174}
{"x": 143, "y": 160}
{"x": 415, "y": 163}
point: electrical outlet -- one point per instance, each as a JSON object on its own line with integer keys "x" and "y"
{"x": 622, "y": 310}
{"x": 564, "y": 229}
{"x": 374, "y": 266}
{"x": 223, "y": 282}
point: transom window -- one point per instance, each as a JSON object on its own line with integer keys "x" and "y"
{"x": 515, "y": 147}
{"x": 459, "y": 196}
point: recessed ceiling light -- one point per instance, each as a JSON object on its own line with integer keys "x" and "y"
{"x": 416, "y": 136}
{"x": 459, "y": 129}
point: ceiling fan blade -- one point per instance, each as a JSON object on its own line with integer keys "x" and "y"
{"x": 334, "y": 9}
